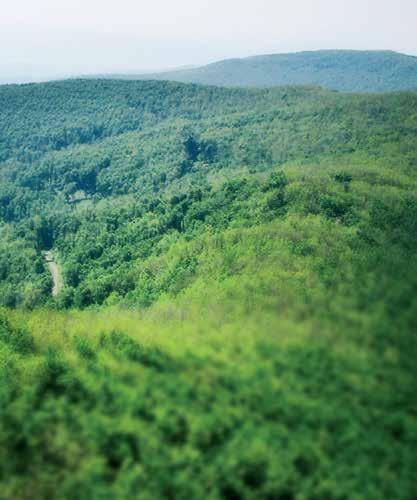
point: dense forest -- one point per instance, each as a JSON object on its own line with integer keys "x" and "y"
{"x": 345, "y": 70}
{"x": 104, "y": 172}
{"x": 238, "y": 312}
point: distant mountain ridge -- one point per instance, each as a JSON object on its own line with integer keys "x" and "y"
{"x": 343, "y": 70}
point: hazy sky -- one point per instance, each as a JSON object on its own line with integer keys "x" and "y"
{"x": 45, "y": 37}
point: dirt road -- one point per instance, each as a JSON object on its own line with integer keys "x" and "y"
{"x": 55, "y": 272}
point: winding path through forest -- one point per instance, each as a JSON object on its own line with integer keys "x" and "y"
{"x": 55, "y": 272}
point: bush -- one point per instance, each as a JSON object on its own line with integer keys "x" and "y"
{"x": 17, "y": 338}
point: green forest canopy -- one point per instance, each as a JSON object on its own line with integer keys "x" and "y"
{"x": 239, "y": 303}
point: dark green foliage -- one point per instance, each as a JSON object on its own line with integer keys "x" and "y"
{"x": 84, "y": 348}
{"x": 18, "y": 339}
{"x": 119, "y": 343}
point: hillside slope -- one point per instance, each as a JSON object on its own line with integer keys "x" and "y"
{"x": 79, "y": 157}
{"x": 344, "y": 70}
{"x": 239, "y": 303}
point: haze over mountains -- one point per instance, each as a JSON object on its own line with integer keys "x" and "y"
{"x": 344, "y": 70}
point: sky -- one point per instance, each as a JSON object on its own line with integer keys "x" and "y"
{"x": 40, "y": 39}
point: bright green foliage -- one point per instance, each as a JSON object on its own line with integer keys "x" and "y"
{"x": 239, "y": 307}
{"x": 260, "y": 381}
{"x": 284, "y": 367}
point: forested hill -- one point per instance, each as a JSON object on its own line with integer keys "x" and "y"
{"x": 344, "y": 70}
{"x": 157, "y": 157}
{"x": 237, "y": 300}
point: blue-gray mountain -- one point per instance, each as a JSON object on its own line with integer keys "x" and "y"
{"x": 345, "y": 70}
